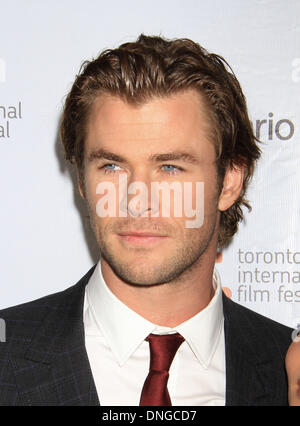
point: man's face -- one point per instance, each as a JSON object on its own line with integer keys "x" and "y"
{"x": 145, "y": 143}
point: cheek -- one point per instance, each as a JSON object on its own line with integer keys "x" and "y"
{"x": 91, "y": 183}
{"x": 205, "y": 193}
{"x": 92, "y": 199}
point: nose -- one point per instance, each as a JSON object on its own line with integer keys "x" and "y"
{"x": 136, "y": 197}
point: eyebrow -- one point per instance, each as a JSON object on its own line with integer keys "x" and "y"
{"x": 103, "y": 154}
{"x": 168, "y": 156}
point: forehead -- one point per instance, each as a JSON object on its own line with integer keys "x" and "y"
{"x": 179, "y": 119}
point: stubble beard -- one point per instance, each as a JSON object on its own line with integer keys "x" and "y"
{"x": 177, "y": 264}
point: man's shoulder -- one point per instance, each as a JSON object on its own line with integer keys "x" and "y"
{"x": 35, "y": 308}
{"x": 21, "y": 321}
{"x": 255, "y": 347}
{"x": 256, "y": 326}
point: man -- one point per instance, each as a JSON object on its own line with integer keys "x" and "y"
{"x": 149, "y": 324}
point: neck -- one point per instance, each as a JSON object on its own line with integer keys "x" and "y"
{"x": 171, "y": 303}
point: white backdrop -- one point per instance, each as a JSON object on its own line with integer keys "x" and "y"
{"x": 46, "y": 244}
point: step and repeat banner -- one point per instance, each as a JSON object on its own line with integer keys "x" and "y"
{"x": 46, "y": 242}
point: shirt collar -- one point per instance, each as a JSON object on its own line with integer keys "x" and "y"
{"x": 124, "y": 329}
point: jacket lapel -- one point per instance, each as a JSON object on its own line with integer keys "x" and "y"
{"x": 55, "y": 369}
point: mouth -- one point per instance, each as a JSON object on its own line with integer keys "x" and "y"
{"x": 142, "y": 238}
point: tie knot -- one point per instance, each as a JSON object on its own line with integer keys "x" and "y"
{"x": 163, "y": 349}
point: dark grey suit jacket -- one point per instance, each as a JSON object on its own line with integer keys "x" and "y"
{"x": 44, "y": 359}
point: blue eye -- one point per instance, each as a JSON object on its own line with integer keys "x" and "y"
{"x": 110, "y": 167}
{"x": 171, "y": 169}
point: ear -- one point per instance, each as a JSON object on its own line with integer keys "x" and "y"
{"x": 232, "y": 186}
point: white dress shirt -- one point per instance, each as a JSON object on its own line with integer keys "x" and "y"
{"x": 119, "y": 355}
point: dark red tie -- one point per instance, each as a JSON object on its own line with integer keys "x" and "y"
{"x": 162, "y": 351}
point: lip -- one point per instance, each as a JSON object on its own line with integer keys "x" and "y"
{"x": 140, "y": 234}
{"x": 142, "y": 238}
